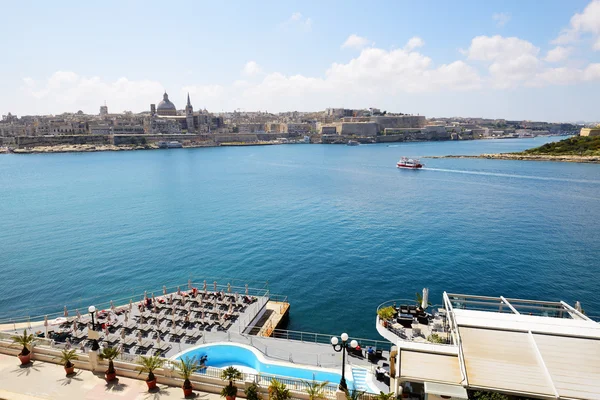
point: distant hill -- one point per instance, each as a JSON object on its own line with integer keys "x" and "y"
{"x": 575, "y": 146}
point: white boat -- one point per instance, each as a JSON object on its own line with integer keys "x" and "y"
{"x": 409, "y": 163}
{"x": 170, "y": 145}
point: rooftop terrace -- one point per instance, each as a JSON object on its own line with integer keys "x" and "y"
{"x": 528, "y": 348}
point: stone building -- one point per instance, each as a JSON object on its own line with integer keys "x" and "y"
{"x": 166, "y": 107}
{"x": 590, "y": 131}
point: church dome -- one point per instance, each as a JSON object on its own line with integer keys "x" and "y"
{"x": 166, "y": 104}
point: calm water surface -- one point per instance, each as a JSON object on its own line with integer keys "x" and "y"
{"x": 338, "y": 229}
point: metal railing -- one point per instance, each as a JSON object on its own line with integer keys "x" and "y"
{"x": 321, "y": 338}
{"x": 456, "y": 337}
{"x": 275, "y": 349}
{"x": 119, "y": 299}
{"x": 136, "y": 294}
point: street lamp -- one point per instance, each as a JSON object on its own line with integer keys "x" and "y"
{"x": 95, "y": 345}
{"x": 92, "y": 311}
{"x": 343, "y": 347}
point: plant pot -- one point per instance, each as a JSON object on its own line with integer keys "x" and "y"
{"x": 151, "y": 384}
{"x": 110, "y": 376}
{"x": 230, "y": 397}
{"x": 25, "y": 359}
{"x": 70, "y": 370}
{"x": 188, "y": 392}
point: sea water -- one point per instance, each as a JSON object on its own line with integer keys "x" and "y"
{"x": 338, "y": 229}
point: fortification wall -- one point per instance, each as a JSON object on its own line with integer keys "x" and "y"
{"x": 34, "y": 141}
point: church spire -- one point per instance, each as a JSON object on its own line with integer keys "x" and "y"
{"x": 188, "y": 103}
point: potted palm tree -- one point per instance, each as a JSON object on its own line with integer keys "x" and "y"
{"x": 230, "y": 374}
{"x": 110, "y": 353}
{"x": 316, "y": 390}
{"x": 385, "y": 396}
{"x": 148, "y": 365}
{"x": 66, "y": 356}
{"x": 187, "y": 366}
{"x": 252, "y": 392}
{"x": 24, "y": 340}
{"x": 278, "y": 391}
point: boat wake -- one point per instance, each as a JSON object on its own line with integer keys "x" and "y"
{"x": 541, "y": 178}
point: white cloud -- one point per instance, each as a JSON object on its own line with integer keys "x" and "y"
{"x": 298, "y": 20}
{"x": 591, "y": 72}
{"x": 511, "y": 60}
{"x": 68, "y": 91}
{"x": 501, "y": 18}
{"x": 557, "y": 54}
{"x": 375, "y": 76}
{"x": 413, "y": 43}
{"x": 489, "y": 48}
{"x": 356, "y": 42}
{"x": 586, "y": 22}
{"x": 252, "y": 69}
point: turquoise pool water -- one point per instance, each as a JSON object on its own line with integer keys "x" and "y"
{"x": 223, "y": 355}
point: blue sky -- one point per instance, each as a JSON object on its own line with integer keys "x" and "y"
{"x": 435, "y": 58}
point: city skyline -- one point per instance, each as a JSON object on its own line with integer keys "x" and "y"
{"x": 493, "y": 60}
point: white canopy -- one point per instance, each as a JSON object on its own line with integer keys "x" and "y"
{"x": 442, "y": 389}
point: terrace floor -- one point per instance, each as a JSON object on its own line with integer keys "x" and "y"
{"x": 170, "y": 325}
{"x": 43, "y": 380}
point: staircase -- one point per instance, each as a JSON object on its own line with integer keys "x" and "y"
{"x": 359, "y": 376}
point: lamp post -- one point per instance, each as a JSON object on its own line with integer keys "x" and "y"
{"x": 95, "y": 345}
{"x": 343, "y": 347}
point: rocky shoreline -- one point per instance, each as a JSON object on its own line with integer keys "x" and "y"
{"x": 89, "y": 148}
{"x": 526, "y": 157}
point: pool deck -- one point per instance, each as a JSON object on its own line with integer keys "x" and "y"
{"x": 184, "y": 320}
{"x": 43, "y": 380}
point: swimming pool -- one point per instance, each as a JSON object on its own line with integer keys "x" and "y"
{"x": 223, "y": 355}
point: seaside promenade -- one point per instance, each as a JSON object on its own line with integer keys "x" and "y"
{"x": 42, "y": 380}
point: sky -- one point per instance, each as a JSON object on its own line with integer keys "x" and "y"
{"x": 512, "y": 59}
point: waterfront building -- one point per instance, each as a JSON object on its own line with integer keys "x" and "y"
{"x": 525, "y": 348}
{"x": 298, "y": 129}
{"x": 251, "y": 127}
{"x": 166, "y": 107}
{"x": 371, "y": 126}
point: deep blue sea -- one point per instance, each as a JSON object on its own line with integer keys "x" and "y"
{"x": 337, "y": 229}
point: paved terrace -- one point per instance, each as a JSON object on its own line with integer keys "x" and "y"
{"x": 165, "y": 325}
{"x": 42, "y": 380}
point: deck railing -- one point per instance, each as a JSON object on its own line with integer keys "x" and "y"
{"x": 57, "y": 310}
{"x": 321, "y": 338}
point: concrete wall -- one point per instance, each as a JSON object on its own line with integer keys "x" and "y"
{"x": 127, "y": 139}
{"x": 414, "y": 137}
{"x": 400, "y": 121}
{"x": 359, "y": 128}
{"x": 246, "y": 137}
{"x": 7, "y": 141}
